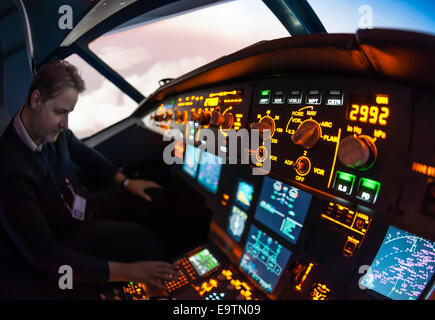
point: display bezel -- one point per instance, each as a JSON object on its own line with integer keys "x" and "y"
{"x": 379, "y": 295}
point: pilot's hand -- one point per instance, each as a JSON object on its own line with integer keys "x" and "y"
{"x": 152, "y": 273}
{"x": 138, "y": 187}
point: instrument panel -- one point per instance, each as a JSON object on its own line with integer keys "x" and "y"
{"x": 306, "y": 205}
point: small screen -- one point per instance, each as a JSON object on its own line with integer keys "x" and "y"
{"x": 191, "y": 160}
{"x": 244, "y": 194}
{"x": 282, "y": 208}
{"x": 236, "y": 223}
{"x": 210, "y": 171}
{"x": 264, "y": 259}
{"x": 403, "y": 266}
{"x": 203, "y": 262}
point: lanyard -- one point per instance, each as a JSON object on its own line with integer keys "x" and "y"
{"x": 53, "y": 178}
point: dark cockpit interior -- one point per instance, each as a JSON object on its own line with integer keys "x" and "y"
{"x": 306, "y": 162}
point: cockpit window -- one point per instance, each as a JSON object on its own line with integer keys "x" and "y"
{"x": 168, "y": 48}
{"x": 345, "y": 16}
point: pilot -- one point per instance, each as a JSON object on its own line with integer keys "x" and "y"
{"x": 52, "y": 219}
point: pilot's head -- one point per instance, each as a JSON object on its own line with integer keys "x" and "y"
{"x": 52, "y": 96}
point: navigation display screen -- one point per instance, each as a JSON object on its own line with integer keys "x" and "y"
{"x": 191, "y": 160}
{"x": 403, "y": 266}
{"x": 203, "y": 262}
{"x": 282, "y": 208}
{"x": 264, "y": 259}
{"x": 244, "y": 195}
{"x": 209, "y": 171}
{"x": 236, "y": 223}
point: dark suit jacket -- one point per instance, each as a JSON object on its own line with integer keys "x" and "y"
{"x": 34, "y": 215}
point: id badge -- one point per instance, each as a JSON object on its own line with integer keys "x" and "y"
{"x": 79, "y": 208}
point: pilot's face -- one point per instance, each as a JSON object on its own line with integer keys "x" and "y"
{"x": 51, "y": 116}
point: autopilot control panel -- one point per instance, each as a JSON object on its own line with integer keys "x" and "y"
{"x": 335, "y": 201}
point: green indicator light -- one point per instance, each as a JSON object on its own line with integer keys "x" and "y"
{"x": 173, "y": 101}
{"x": 265, "y": 92}
{"x": 345, "y": 176}
{"x": 370, "y": 184}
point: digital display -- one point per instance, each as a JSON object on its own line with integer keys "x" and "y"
{"x": 210, "y": 171}
{"x": 282, "y": 208}
{"x": 203, "y": 262}
{"x": 264, "y": 259}
{"x": 244, "y": 194}
{"x": 236, "y": 223}
{"x": 403, "y": 266}
{"x": 191, "y": 160}
{"x": 377, "y": 115}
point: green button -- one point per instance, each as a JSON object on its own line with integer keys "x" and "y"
{"x": 264, "y": 97}
{"x": 368, "y": 190}
{"x": 344, "y": 182}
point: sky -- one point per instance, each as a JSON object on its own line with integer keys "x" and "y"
{"x": 169, "y": 48}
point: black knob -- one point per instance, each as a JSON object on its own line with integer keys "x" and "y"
{"x": 194, "y": 116}
{"x": 266, "y": 126}
{"x": 302, "y": 166}
{"x": 308, "y": 134}
{"x": 204, "y": 118}
{"x": 178, "y": 115}
{"x": 226, "y": 120}
{"x": 357, "y": 152}
{"x": 168, "y": 115}
{"x": 159, "y": 116}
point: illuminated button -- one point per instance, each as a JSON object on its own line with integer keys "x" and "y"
{"x": 278, "y": 97}
{"x": 334, "y": 98}
{"x": 295, "y": 97}
{"x": 344, "y": 182}
{"x": 264, "y": 97}
{"x": 313, "y": 97}
{"x": 368, "y": 190}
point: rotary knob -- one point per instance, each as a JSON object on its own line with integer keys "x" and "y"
{"x": 178, "y": 115}
{"x": 168, "y": 115}
{"x": 158, "y": 117}
{"x": 308, "y": 134}
{"x": 357, "y": 152}
{"x": 302, "y": 166}
{"x": 204, "y": 118}
{"x": 266, "y": 126}
{"x": 194, "y": 116}
{"x": 226, "y": 120}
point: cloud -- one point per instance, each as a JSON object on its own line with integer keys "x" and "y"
{"x": 148, "y": 81}
{"x": 100, "y": 108}
{"x": 123, "y": 58}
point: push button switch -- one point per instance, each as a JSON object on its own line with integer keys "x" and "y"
{"x": 344, "y": 182}
{"x": 368, "y": 190}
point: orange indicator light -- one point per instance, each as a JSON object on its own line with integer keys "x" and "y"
{"x": 382, "y": 99}
{"x": 223, "y": 93}
{"x": 423, "y": 169}
{"x": 211, "y": 102}
{"x": 304, "y": 277}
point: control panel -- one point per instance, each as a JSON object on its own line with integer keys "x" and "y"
{"x": 334, "y": 156}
